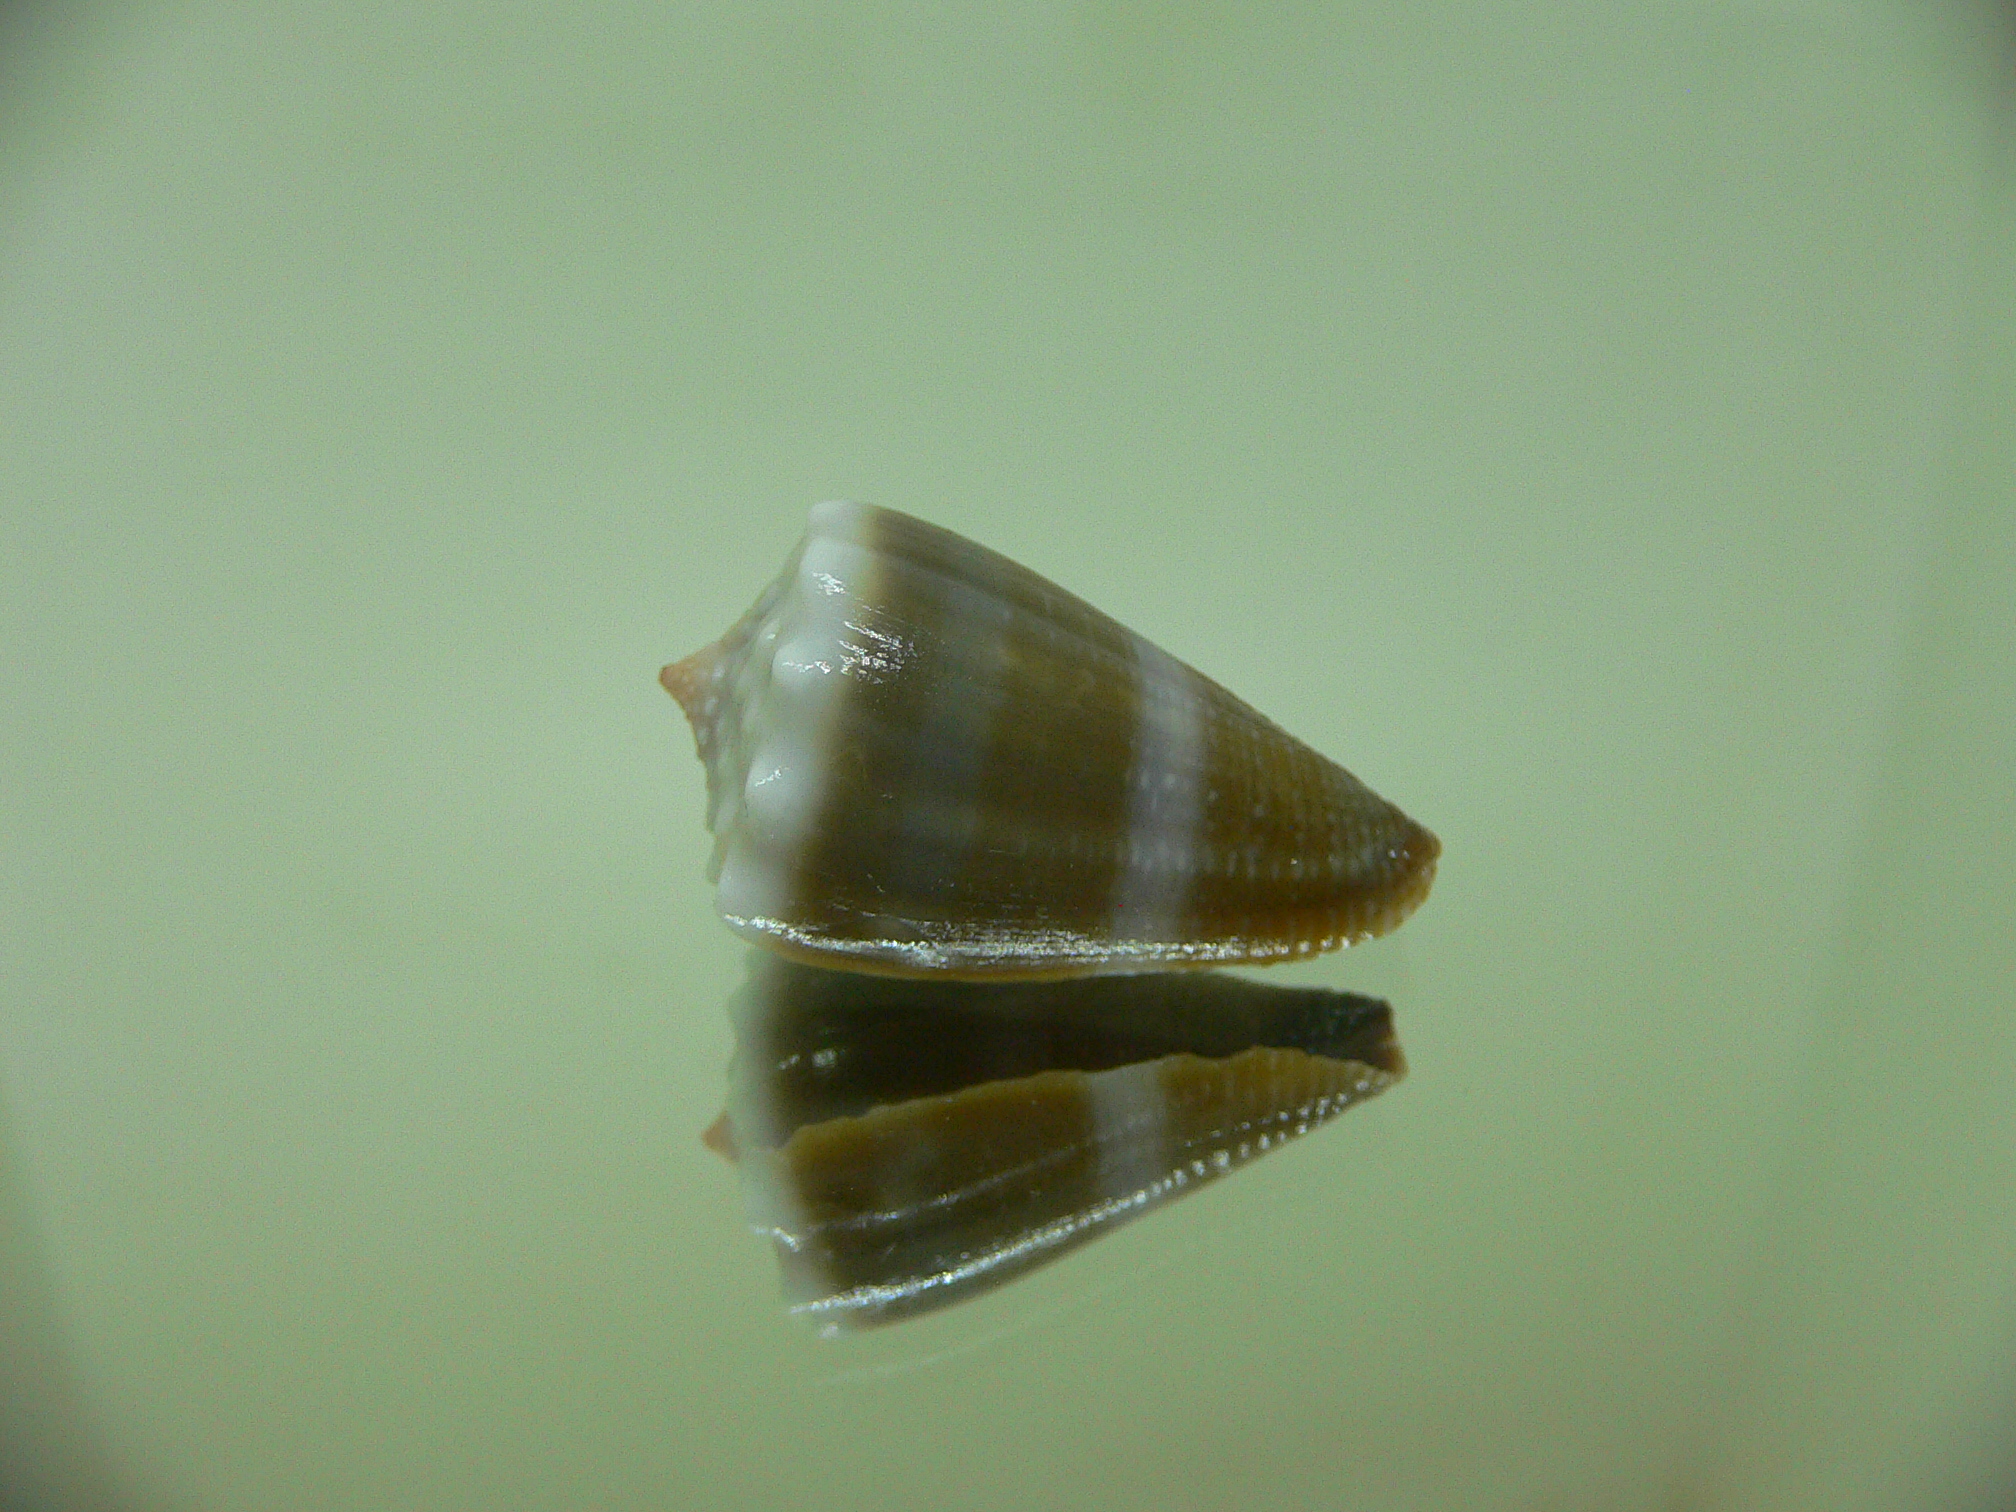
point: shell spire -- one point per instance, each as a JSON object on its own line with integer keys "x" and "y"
{"x": 924, "y": 759}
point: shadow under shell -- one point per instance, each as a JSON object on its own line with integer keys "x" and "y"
{"x": 909, "y": 1144}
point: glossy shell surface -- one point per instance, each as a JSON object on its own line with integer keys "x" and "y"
{"x": 909, "y": 1144}
{"x": 924, "y": 759}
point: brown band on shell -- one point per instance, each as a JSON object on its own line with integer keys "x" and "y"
{"x": 977, "y": 800}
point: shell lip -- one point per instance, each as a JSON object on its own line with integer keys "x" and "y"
{"x": 1027, "y": 956}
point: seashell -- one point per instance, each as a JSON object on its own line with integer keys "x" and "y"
{"x": 913, "y": 1143}
{"x": 923, "y": 758}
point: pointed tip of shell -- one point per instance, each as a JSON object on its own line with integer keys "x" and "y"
{"x": 719, "y": 1136}
{"x": 689, "y": 680}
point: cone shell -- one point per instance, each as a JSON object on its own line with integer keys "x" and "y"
{"x": 909, "y": 1144}
{"x": 922, "y": 758}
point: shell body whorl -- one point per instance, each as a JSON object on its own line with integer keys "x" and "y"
{"x": 922, "y": 759}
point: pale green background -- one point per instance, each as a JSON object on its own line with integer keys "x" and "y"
{"x": 1590, "y": 423}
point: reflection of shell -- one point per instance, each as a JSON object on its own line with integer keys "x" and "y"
{"x": 923, "y": 758}
{"x": 910, "y": 1144}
